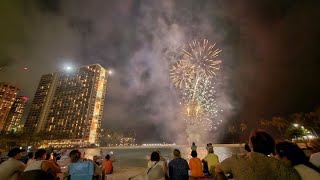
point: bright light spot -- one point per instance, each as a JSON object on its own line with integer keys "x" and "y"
{"x": 67, "y": 67}
{"x": 311, "y": 136}
{"x": 296, "y": 125}
{"x": 110, "y": 72}
{"x": 25, "y": 68}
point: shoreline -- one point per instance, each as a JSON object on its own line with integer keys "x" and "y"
{"x": 164, "y": 146}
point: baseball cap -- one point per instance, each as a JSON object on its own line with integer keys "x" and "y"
{"x": 13, "y": 152}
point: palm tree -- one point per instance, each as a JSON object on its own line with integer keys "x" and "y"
{"x": 233, "y": 131}
{"x": 279, "y": 123}
{"x": 311, "y": 121}
{"x": 264, "y": 123}
{"x": 297, "y": 118}
{"x": 243, "y": 127}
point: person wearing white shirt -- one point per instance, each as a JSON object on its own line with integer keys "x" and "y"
{"x": 291, "y": 154}
{"x": 156, "y": 167}
{"x": 315, "y": 148}
{"x": 12, "y": 168}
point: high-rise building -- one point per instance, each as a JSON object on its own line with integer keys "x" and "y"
{"x": 14, "y": 120}
{"x": 8, "y": 94}
{"x": 69, "y": 104}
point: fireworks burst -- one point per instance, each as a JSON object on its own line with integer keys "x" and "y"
{"x": 203, "y": 56}
{"x": 182, "y": 74}
{"x": 193, "y": 75}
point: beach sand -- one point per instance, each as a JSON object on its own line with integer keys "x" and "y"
{"x": 135, "y": 173}
{"x": 132, "y": 161}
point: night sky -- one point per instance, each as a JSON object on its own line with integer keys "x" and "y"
{"x": 270, "y": 54}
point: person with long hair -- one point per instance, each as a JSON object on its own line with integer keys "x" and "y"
{"x": 291, "y": 154}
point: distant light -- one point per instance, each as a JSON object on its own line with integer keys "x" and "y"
{"x": 296, "y": 125}
{"x": 25, "y": 68}
{"x": 110, "y": 72}
{"x": 68, "y": 68}
{"x": 311, "y": 136}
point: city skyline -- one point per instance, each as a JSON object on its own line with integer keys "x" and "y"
{"x": 269, "y": 51}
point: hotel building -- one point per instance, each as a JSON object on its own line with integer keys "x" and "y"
{"x": 14, "y": 120}
{"x": 69, "y": 105}
{"x": 8, "y": 95}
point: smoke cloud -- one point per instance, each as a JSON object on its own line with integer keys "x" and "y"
{"x": 140, "y": 39}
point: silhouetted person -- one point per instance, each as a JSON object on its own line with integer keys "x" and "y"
{"x": 178, "y": 167}
{"x": 193, "y": 147}
{"x": 195, "y": 165}
{"x": 12, "y": 168}
{"x": 108, "y": 165}
{"x": 156, "y": 167}
{"x": 26, "y": 158}
{"x": 292, "y": 155}
{"x": 315, "y": 149}
{"x": 257, "y": 165}
{"x": 210, "y": 162}
{"x": 41, "y": 168}
{"x": 247, "y": 148}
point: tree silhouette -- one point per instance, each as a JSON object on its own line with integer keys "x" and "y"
{"x": 233, "y": 131}
{"x": 243, "y": 127}
{"x": 280, "y": 123}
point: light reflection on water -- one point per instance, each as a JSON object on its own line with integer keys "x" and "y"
{"x": 138, "y": 157}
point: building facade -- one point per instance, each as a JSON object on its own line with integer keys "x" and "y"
{"x": 69, "y": 105}
{"x": 14, "y": 122}
{"x": 8, "y": 94}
